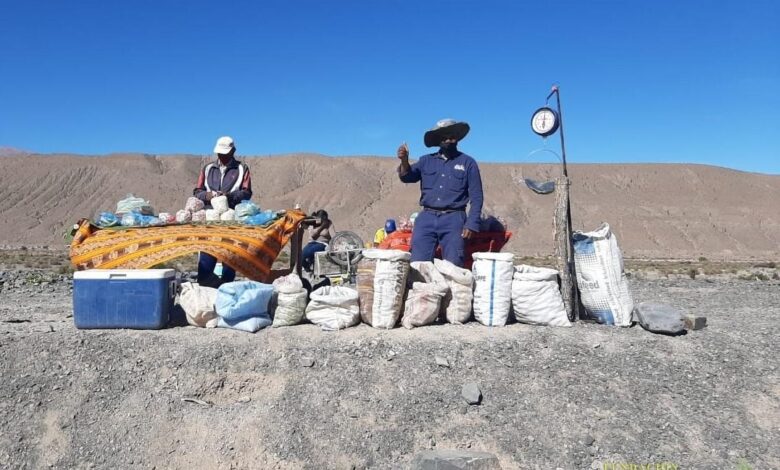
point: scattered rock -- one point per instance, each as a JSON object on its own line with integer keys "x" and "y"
{"x": 307, "y": 361}
{"x": 588, "y": 440}
{"x": 597, "y": 345}
{"x": 440, "y": 361}
{"x": 471, "y": 393}
{"x": 694, "y": 322}
{"x": 454, "y": 460}
{"x": 244, "y": 400}
{"x": 195, "y": 400}
{"x": 659, "y": 318}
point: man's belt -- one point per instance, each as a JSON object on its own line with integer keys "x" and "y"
{"x": 443, "y": 211}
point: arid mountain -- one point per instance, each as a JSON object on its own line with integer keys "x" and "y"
{"x": 657, "y": 210}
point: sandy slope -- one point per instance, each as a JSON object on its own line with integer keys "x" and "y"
{"x": 656, "y": 210}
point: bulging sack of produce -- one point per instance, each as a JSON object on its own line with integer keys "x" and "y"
{"x": 220, "y": 204}
{"x": 250, "y": 325}
{"x": 194, "y": 204}
{"x": 381, "y": 280}
{"x": 134, "y": 204}
{"x": 199, "y": 216}
{"x": 228, "y": 216}
{"x": 184, "y": 216}
{"x": 212, "y": 215}
{"x": 288, "y": 309}
{"x": 198, "y": 303}
{"x": 603, "y": 285}
{"x": 425, "y": 271}
{"x": 246, "y": 209}
{"x": 243, "y": 299}
{"x": 423, "y": 304}
{"x": 536, "y": 297}
{"x": 333, "y": 307}
{"x": 288, "y": 304}
{"x": 457, "y": 304}
{"x": 492, "y": 287}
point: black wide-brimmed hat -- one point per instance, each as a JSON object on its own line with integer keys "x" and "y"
{"x": 444, "y": 128}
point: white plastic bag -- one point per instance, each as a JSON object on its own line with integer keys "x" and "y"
{"x": 382, "y": 285}
{"x": 198, "y": 303}
{"x": 457, "y": 303}
{"x": 423, "y": 304}
{"x": 536, "y": 297}
{"x": 220, "y": 204}
{"x": 492, "y": 287}
{"x": 603, "y": 285}
{"x": 333, "y": 307}
{"x": 134, "y": 204}
{"x": 228, "y": 215}
{"x": 288, "y": 284}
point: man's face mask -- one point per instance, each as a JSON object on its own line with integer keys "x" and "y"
{"x": 449, "y": 144}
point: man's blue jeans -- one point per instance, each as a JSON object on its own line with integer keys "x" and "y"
{"x": 438, "y": 228}
{"x": 307, "y": 261}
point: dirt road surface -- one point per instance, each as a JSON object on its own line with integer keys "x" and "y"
{"x": 297, "y": 397}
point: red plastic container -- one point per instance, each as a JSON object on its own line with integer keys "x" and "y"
{"x": 481, "y": 242}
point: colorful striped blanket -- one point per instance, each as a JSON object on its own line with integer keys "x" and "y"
{"x": 250, "y": 250}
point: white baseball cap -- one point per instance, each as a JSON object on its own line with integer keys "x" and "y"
{"x": 224, "y": 145}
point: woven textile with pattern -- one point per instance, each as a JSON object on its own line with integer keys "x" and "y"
{"x": 250, "y": 250}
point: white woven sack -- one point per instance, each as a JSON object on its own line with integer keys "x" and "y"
{"x": 423, "y": 304}
{"x": 492, "y": 287}
{"x": 392, "y": 268}
{"x": 603, "y": 285}
{"x": 457, "y": 303}
{"x": 536, "y": 298}
{"x": 228, "y": 215}
{"x": 333, "y": 307}
{"x": 289, "y": 308}
{"x": 212, "y": 215}
{"x": 220, "y": 204}
{"x": 425, "y": 271}
{"x": 198, "y": 303}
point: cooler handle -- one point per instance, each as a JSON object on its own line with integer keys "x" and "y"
{"x": 172, "y": 288}
{"x": 117, "y": 275}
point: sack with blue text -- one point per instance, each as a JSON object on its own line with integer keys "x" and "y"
{"x": 603, "y": 285}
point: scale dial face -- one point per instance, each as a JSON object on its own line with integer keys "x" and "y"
{"x": 545, "y": 121}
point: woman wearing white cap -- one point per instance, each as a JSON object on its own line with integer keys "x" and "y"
{"x": 224, "y": 177}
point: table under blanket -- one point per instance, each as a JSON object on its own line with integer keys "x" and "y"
{"x": 250, "y": 250}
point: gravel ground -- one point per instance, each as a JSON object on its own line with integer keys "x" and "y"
{"x": 570, "y": 398}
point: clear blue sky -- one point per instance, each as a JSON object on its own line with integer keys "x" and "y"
{"x": 654, "y": 81}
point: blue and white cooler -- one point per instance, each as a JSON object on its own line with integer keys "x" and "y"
{"x": 123, "y": 298}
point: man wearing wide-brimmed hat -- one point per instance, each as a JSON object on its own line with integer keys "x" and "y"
{"x": 449, "y": 181}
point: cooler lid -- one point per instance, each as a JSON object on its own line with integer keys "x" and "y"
{"x": 106, "y": 274}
